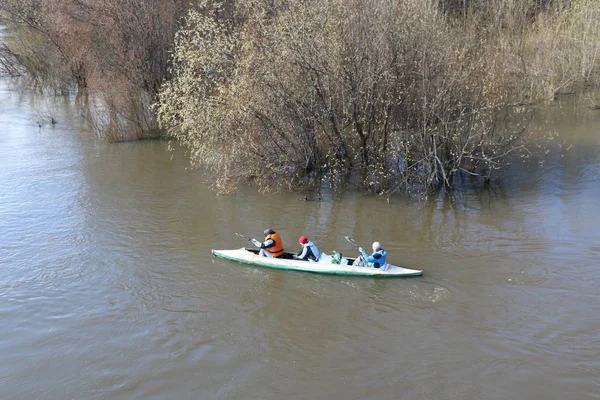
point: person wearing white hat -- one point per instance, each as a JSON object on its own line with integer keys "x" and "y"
{"x": 377, "y": 259}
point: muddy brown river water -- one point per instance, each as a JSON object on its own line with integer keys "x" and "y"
{"x": 108, "y": 289}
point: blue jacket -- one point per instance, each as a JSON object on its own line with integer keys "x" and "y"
{"x": 375, "y": 260}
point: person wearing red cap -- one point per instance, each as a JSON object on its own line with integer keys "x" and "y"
{"x": 309, "y": 250}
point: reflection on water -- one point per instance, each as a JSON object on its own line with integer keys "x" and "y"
{"x": 108, "y": 289}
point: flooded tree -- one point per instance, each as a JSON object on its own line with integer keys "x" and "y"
{"x": 401, "y": 96}
{"x": 115, "y": 53}
{"x": 390, "y": 90}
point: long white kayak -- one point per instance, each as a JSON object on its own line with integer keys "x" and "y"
{"x": 250, "y": 256}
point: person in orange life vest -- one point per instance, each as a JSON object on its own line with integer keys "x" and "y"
{"x": 309, "y": 250}
{"x": 272, "y": 245}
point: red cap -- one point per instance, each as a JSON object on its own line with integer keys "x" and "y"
{"x": 303, "y": 239}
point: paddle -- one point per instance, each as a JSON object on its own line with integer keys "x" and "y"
{"x": 243, "y": 236}
{"x": 348, "y": 238}
{"x": 254, "y": 241}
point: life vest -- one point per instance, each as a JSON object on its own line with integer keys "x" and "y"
{"x": 377, "y": 259}
{"x": 277, "y": 249}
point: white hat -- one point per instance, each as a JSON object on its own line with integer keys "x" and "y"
{"x": 376, "y": 246}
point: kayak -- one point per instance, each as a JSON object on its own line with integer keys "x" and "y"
{"x": 250, "y": 256}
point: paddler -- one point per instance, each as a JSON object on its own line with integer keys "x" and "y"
{"x": 377, "y": 259}
{"x": 272, "y": 246}
{"x": 309, "y": 252}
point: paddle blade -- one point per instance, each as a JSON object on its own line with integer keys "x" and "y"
{"x": 348, "y": 238}
{"x": 243, "y": 236}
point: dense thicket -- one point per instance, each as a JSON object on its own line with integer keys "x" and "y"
{"x": 405, "y": 94}
{"x": 115, "y": 51}
{"x": 400, "y": 91}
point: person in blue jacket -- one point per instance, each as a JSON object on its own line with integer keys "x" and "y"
{"x": 377, "y": 259}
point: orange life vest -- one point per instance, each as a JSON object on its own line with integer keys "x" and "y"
{"x": 277, "y": 249}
